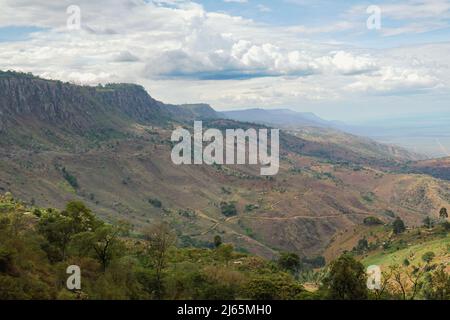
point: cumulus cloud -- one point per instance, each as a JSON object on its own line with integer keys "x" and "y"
{"x": 391, "y": 80}
{"x": 183, "y": 53}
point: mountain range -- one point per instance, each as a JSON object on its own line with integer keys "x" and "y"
{"x": 425, "y": 134}
{"x": 279, "y": 117}
{"x": 109, "y": 146}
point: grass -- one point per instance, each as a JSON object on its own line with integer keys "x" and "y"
{"x": 413, "y": 253}
{"x": 66, "y": 187}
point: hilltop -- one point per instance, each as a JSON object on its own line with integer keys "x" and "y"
{"x": 109, "y": 146}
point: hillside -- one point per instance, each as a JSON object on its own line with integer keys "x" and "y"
{"x": 278, "y": 117}
{"x": 311, "y": 128}
{"x": 386, "y": 248}
{"x": 121, "y": 263}
{"x": 364, "y": 147}
{"x": 438, "y": 168}
{"x": 109, "y": 146}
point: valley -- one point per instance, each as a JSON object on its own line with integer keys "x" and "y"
{"x": 109, "y": 146}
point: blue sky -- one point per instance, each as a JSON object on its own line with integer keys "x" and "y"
{"x": 17, "y": 33}
{"x": 305, "y": 55}
{"x": 316, "y": 13}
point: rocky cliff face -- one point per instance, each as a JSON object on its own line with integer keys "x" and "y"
{"x": 29, "y": 104}
{"x": 25, "y": 98}
{"x": 132, "y": 101}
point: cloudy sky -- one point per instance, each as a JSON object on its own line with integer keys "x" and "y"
{"x": 306, "y": 55}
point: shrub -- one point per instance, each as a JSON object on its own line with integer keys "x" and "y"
{"x": 346, "y": 280}
{"x": 228, "y": 209}
{"x": 398, "y": 226}
{"x": 372, "y": 221}
{"x": 428, "y": 256}
{"x": 71, "y": 179}
{"x": 155, "y": 202}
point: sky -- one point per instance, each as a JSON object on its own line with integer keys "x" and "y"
{"x": 327, "y": 57}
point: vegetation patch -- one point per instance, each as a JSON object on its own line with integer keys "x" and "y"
{"x": 155, "y": 202}
{"x": 228, "y": 209}
{"x": 70, "y": 178}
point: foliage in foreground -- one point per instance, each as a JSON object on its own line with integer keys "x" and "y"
{"x": 37, "y": 246}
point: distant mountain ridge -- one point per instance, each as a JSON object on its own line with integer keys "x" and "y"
{"x": 30, "y": 104}
{"x": 284, "y": 117}
{"x": 308, "y": 126}
{"x": 110, "y": 146}
{"x": 38, "y": 111}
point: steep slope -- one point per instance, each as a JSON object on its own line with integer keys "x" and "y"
{"x": 279, "y": 117}
{"x": 438, "y": 168}
{"x": 386, "y": 249}
{"x": 365, "y": 147}
{"x": 311, "y": 128}
{"x": 110, "y": 147}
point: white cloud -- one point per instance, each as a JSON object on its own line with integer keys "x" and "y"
{"x": 325, "y": 28}
{"x": 410, "y": 9}
{"x": 263, "y": 8}
{"x": 414, "y": 9}
{"x": 182, "y": 53}
{"x": 347, "y": 63}
{"x": 410, "y": 16}
{"x": 392, "y": 80}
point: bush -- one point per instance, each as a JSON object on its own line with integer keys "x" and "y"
{"x": 217, "y": 241}
{"x": 428, "y": 256}
{"x": 346, "y": 279}
{"x": 372, "y": 221}
{"x": 155, "y": 202}
{"x": 428, "y": 223}
{"x": 251, "y": 207}
{"x": 316, "y": 262}
{"x": 363, "y": 245}
{"x": 273, "y": 287}
{"x": 398, "y": 226}
{"x": 71, "y": 179}
{"x": 289, "y": 262}
{"x": 228, "y": 209}
{"x": 187, "y": 213}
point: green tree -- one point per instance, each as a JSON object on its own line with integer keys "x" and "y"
{"x": 443, "y": 214}
{"x": 155, "y": 202}
{"x": 228, "y": 209}
{"x": 82, "y": 216}
{"x": 428, "y": 223}
{"x": 224, "y": 252}
{"x": 273, "y": 287}
{"x": 160, "y": 238}
{"x": 59, "y": 231}
{"x": 59, "y": 228}
{"x": 428, "y": 256}
{"x": 217, "y": 241}
{"x": 289, "y": 262}
{"x": 398, "y": 226}
{"x": 346, "y": 279}
{"x": 407, "y": 280}
{"x": 372, "y": 221}
{"x": 437, "y": 286}
{"x": 104, "y": 242}
{"x": 363, "y": 245}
